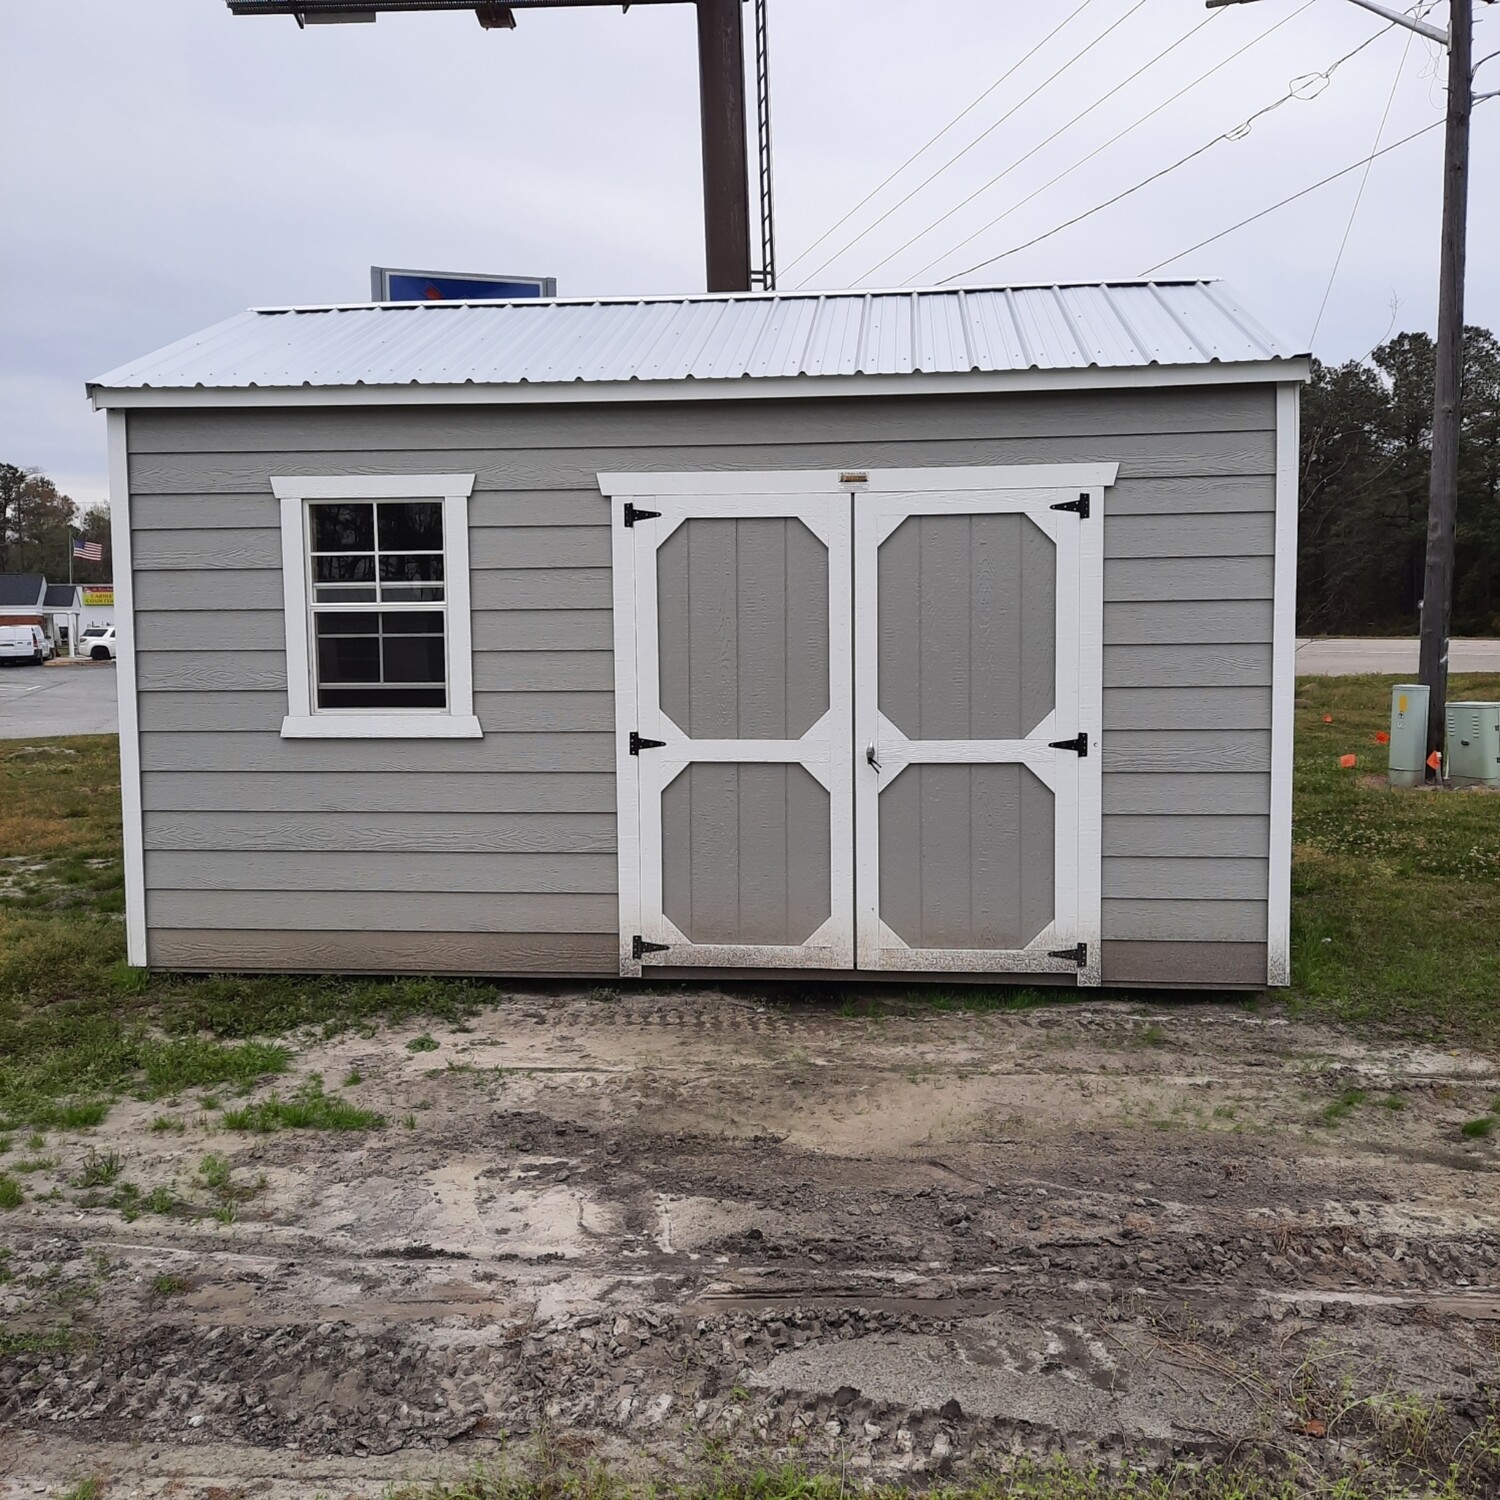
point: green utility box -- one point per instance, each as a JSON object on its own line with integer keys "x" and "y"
{"x": 1408, "y": 763}
{"x": 1473, "y": 744}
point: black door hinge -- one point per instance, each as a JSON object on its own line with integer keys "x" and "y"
{"x": 1079, "y": 745}
{"x": 639, "y": 947}
{"x": 1078, "y": 955}
{"x": 637, "y": 744}
{"x": 1081, "y": 505}
{"x": 634, "y": 514}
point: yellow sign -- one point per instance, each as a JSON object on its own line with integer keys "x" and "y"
{"x": 1400, "y": 703}
{"x": 98, "y": 598}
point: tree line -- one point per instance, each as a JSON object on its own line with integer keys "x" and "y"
{"x": 35, "y": 517}
{"x": 1366, "y": 451}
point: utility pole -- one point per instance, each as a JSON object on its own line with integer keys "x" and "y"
{"x": 726, "y": 155}
{"x": 1442, "y": 497}
{"x": 721, "y": 86}
{"x": 1447, "y": 393}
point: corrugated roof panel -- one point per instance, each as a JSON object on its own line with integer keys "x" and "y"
{"x": 1116, "y": 325}
{"x": 942, "y": 333}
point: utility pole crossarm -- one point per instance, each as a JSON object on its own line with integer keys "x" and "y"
{"x": 1396, "y": 17}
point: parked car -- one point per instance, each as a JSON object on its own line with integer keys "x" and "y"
{"x": 28, "y": 643}
{"x": 98, "y": 641}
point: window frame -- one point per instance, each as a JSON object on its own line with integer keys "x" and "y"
{"x": 304, "y": 720}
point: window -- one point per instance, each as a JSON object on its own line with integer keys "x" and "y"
{"x": 376, "y": 579}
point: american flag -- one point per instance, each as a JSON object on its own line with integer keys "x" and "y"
{"x": 88, "y": 551}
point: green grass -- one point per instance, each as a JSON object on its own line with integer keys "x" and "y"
{"x": 1480, "y": 1129}
{"x": 166, "y": 1285}
{"x": 1344, "y": 1105}
{"x": 423, "y": 1043}
{"x": 11, "y": 1195}
{"x": 307, "y": 1109}
{"x": 1396, "y": 903}
{"x": 1395, "y": 895}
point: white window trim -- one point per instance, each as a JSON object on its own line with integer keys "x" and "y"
{"x": 302, "y": 722}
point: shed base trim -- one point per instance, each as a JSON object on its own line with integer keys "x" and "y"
{"x": 457, "y": 953}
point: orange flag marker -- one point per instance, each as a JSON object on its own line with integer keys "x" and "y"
{"x": 1348, "y": 762}
{"x": 1435, "y": 760}
{"x": 1381, "y": 737}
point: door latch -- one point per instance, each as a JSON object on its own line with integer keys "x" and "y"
{"x": 639, "y": 947}
{"x": 637, "y": 743}
{"x": 870, "y": 757}
{"x": 1079, "y": 745}
{"x": 1078, "y": 954}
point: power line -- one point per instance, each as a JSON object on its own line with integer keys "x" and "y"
{"x": 1021, "y": 160}
{"x": 1118, "y": 136}
{"x": 921, "y": 150}
{"x": 1238, "y": 133}
{"x": 1338, "y": 259}
{"x": 933, "y": 176}
{"x": 1332, "y": 177}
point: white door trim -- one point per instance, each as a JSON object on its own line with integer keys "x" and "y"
{"x": 1283, "y": 689}
{"x": 1075, "y": 780}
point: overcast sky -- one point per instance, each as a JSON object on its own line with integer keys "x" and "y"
{"x": 163, "y": 165}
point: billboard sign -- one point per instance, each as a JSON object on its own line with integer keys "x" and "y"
{"x": 390, "y": 285}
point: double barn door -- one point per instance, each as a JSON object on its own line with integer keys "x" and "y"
{"x": 859, "y": 719}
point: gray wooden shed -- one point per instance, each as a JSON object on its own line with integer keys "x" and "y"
{"x": 924, "y": 632}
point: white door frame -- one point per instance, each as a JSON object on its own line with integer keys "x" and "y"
{"x": 1033, "y": 490}
{"x": 820, "y": 501}
{"x": 731, "y": 494}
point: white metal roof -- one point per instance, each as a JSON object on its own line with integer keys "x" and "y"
{"x": 781, "y": 336}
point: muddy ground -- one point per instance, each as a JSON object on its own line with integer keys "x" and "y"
{"x": 670, "y": 1226}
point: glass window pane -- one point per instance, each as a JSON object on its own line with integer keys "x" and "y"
{"x": 380, "y": 698}
{"x": 343, "y": 593}
{"x": 353, "y": 567}
{"x": 413, "y": 658}
{"x": 348, "y": 659}
{"x": 353, "y": 623}
{"x": 411, "y": 593}
{"x": 411, "y": 525}
{"x": 406, "y": 567}
{"x": 343, "y": 527}
{"x": 412, "y": 622}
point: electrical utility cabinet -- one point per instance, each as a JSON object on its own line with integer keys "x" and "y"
{"x": 1474, "y": 744}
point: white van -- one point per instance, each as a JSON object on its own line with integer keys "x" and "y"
{"x": 27, "y": 643}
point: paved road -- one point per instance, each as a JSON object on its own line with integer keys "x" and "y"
{"x": 72, "y": 698}
{"x": 1334, "y": 657}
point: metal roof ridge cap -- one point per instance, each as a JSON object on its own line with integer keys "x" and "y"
{"x": 807, "y": 293}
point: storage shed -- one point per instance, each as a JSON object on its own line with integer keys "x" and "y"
{"x": 932, "y": 632}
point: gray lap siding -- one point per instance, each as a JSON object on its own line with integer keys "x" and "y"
{"x": 496, "y": 855}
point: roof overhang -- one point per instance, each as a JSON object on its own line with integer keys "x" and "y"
{"x": 748, "y": 388}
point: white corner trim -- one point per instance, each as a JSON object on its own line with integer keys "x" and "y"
{"x": 627, "y": 766}
{"x": 741, "y": 388}
{"x": 301, "y": 721}
{"x": 131, "y": 817}
{"x": 1283, "y": 687}
{"x": 414, "y": 726}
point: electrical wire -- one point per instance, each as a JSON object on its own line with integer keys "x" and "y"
{"x": 1021, "y": 160}
{"x": 929, "y": 144}
{"x": 933, "y": 176}
{"x": 1118, "y": 136}
{"x": 1338, "y": 259}
{"x": 1238, "y": 133}
{"x": 1332, "y": 177}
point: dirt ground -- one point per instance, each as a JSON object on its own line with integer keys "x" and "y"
{"x": 669, "y": 1226}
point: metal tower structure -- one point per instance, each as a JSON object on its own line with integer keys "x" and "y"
{"x": 721, "y": 83}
